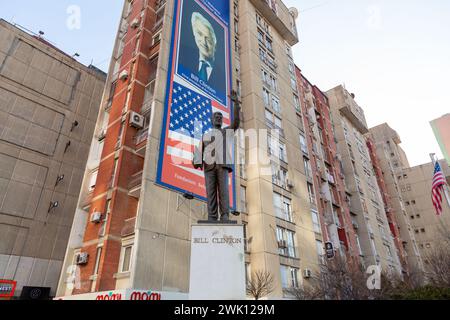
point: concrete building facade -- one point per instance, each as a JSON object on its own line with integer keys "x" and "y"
{"x": 428, "y": 228}
{"x": 393, "y": 161}
{"x": 366, "y": 202}
{"x": 48, "y": 109}
{"x": 142, "y": 239}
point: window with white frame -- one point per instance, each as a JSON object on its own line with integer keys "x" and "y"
{"x": 93, "y": 180}
{"x": 311, "y": 194}
{"x": 320, "y": 251}
{"x": 315, "y": 221}
{"x": 282, "y": 207}
{"x": 97, "y": 260}
{"x": 127, "y": 251}
{"x": 303, "y": 144}
{"x": 286, "y": 242}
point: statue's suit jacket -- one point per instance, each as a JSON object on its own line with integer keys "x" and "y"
{"x": 223, "y": 156}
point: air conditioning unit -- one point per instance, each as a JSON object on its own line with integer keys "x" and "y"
{"x": 96, "y": 217}
{"x": 355, "y": 225}
{"x": 136, "y": 120}
{"x": 282, "y": 244}
{"x": 82, "y": 258}
{"x": 307, "y": 273}
{"x": 135, "y": 23}
{"x": 289, "y": 184}
{"x": 123, "y": 75}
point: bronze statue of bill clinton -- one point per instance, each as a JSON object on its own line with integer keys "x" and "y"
{"x": 214, "y": 156}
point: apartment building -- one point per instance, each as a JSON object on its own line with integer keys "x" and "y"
{"x": 326, "y": 188}
{"x": 131, "y": 227}
{"x": 428, "y": 228}
{"x": 48, "y": 109}
{"x": 366, "y": 202}
{"x": 384, "y": 143}
{"x": 441, "y": 129}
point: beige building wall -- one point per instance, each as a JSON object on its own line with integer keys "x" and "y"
{"x": 366, "y": 204}
{"x": 48, "y": 109}
{"x": 393, "y": 162}
{"x": 429, "y": 229}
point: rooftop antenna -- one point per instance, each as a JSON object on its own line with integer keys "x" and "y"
{"x": 41, "y": 34}
{"x": 75, "y": 55}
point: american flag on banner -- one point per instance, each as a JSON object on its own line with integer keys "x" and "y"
{"x": 190, "y": 117}
{"x": 437, "y": 188}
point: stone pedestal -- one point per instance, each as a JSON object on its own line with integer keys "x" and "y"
{"x": 217, "y": 262}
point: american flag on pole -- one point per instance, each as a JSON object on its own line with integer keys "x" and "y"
{"x": 437, "y": 188}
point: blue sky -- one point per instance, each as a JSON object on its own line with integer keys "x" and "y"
{"x": 394, "y": 55}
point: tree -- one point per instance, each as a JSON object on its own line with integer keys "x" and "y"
{"x": 260, "y": 284}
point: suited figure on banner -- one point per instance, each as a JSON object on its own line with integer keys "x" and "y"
{"x": 201, "y": 59}
{"x": 214, "y": 157}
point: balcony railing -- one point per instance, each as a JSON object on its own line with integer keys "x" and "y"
{"x": 141, "y": 137}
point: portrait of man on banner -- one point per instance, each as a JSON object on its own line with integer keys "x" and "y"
{"x": 202, "y": 51}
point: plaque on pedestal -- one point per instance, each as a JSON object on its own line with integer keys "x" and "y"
{"x": 217, "y": 262}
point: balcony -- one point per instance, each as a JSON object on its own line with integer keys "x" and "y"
{"x": 86, "y": 202}
{"x": 128, "y": 227}
{"x": 134, "y": 186}
{"x": 279, "y": 17}
{"x": 140, "y": 137}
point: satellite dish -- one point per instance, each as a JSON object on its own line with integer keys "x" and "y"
{"x": 294, "y": 12}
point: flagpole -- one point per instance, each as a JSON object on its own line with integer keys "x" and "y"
{"x": 445, "y": 188}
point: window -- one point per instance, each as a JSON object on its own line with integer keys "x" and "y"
{"x": 102, "y": 231}
{"x": 320, "y": 251}
{"x": 97, "y": 260}
{"x": 266, "y": 97}
{"x": 284, "y": 276}
{"x": 312, "y": 197}
{"x": 260, "y": 36}
{"x": 126, "y": 258}
{"x": 282, "y": 207}
{"x": 303, "y": 144}
{"x": 294, "y": 277}
{"x": 93, "y": 180}
{"x": 422, "y": 230}
{"x": 308, "y": 170}
{"x": 245, "y": 237}
{"x": 276, "y": 105}
{"x": 279, "y": 176}
{"x": 243, "y": 199}
{"x": 269, "y": 45}
{"x": 297, "y": 103}
{"x": 286, "y": 242}
{"x": 277, "y": 148}
{"x": 316, "y": 221}
{"x": 359, "y": 245}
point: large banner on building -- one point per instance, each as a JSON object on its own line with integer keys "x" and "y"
{"x": 199, "y": 84}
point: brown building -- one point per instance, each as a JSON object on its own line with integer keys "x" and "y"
{"x": 48, "y": 109}
{"x": 331, "y": 213}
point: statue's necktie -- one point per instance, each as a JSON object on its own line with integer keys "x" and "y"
{"x": 203, "y": 73}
